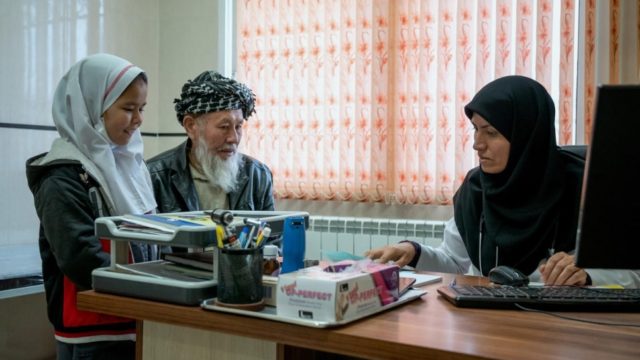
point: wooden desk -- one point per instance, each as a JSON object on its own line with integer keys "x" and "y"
{"x": 426, "y": 328}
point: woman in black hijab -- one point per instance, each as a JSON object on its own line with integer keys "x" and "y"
{"x": 517, "y": 215}
{"x": 520, "y": 205}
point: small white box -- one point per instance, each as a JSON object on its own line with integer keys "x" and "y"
{"x": 269, "y": 289}
{"x": 340, "y": 291}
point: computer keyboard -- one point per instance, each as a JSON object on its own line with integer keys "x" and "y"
{"x": 559, "y": 298}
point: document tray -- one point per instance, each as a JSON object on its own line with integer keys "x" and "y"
{"x": 270, "y": 312}
{"x": 156, "y": 280}
{"x": 158, "y": 228}
{"x": 183, "y": 229}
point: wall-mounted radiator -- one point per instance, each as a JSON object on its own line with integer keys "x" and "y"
{"x": 356, "y": 235}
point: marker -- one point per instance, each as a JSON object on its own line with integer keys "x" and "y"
{"x": 220, "y": 235}
{"x": 243, "y": 236}
{"x": 264, "y": 234}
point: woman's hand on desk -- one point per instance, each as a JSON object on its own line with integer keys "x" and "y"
{"x": 560, "y": 269}
{"x": 401, "y": 254}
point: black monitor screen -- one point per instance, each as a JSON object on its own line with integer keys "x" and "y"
{"x": 609, "y": 223}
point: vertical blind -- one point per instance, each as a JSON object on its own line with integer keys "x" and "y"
{"x": 362, "y": 100}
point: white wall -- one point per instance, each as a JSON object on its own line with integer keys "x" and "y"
{"x": 188, "y": 32}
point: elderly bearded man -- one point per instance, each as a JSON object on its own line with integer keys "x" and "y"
{"x": 207, "y": 171}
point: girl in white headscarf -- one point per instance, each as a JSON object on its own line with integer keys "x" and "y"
{"x": 94, "y": 169}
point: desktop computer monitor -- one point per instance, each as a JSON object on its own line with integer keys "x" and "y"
{"x": 608, "y": 234}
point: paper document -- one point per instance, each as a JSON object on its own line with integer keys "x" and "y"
{"x": 421, "y": 279}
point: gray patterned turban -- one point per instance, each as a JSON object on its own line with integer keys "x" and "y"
{"x": 211, "y": 92}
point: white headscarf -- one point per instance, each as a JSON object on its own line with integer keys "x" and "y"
{"x": 88, "y": 89}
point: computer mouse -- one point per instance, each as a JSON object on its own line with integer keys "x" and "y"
{"x": 506, "y": 275}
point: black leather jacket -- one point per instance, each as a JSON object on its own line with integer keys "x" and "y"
{"x": 174, "y": 189}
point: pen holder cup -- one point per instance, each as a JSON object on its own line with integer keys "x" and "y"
{"x": 240, "y": 278}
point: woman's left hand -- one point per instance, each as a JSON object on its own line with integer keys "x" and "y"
{"x": 560, "y": 269}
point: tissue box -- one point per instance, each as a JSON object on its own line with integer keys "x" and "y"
{"x": 340, "y": 291}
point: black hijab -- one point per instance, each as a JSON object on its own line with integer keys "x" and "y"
{"x": 519, "y": 208}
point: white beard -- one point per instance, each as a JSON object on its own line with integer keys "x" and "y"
{"x": 219, "y": 172}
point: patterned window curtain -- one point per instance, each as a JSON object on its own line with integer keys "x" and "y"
{"x": 362, "y": 100}
{"x": 605, "y": 48}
